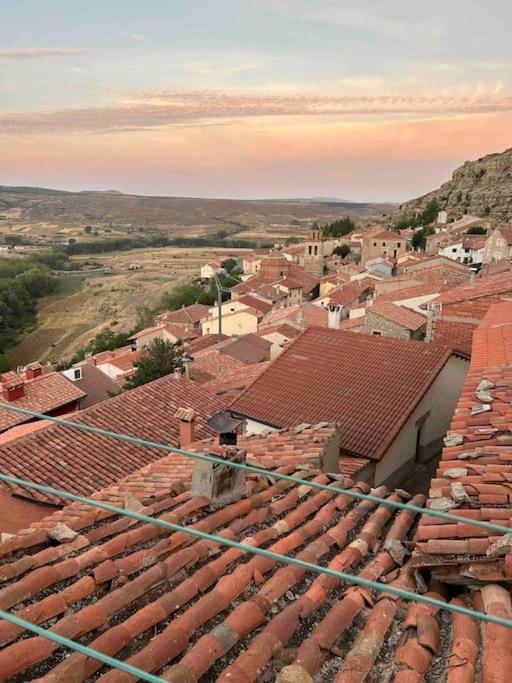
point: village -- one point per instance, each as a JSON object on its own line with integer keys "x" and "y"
{"x": 357, "y": 363}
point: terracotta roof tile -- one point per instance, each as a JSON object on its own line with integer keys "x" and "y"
{"x": 405, "y": 317}
{"x": 231, "y": 384}
{"x": 326, "y": 374}
{"x": 474, "y": 290}
{"x": 96, "y": 385}
{"x": 44, "y": 394}
{"x": 474, "y": 476}
{"x": 79, "y": 462}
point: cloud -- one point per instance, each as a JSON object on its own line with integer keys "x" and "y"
{"x": 137, "y": 37}
{"x": 39, "y": 52}
{"x": 152, "y": 109}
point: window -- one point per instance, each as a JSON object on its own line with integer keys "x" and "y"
{"x": 379, "y": 334}
{"x": 398, "y": 245}
{"x": 454, "y": 250}
{"x": 310, "y": 249}
{"x": 77, "y": 373}
{"x": 375, "y": 244}
{"x": 383, "y": 244}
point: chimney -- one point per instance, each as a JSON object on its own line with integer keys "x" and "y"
{"x": 186, "y": 418}
{"x": 226, "y": 427}
{"x": 33, "y": 370}
{"x": 13, "y": 387}
{"x": 221, "y": 484}
{"x": 177, "y": 373}
{"x": 334, "y": 317}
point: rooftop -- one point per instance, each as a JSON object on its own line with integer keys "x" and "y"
{"x": 81, "y": 462}
{"x": 96, "y": 385}
{"x": 232, "y": 383}
{"x": 248, "y": 349}
{"x": 506, "y": 232}
{"x": 475, "y": 471}
{"x": 188, "y": 314}
{"x": 326, "y": 375}
{"x": 488, "y": 286}
{"x": 44, "y": 394}
{"x": 255, "y": 302}
{"x": 400, "y": 315}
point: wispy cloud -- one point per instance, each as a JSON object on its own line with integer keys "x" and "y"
{"x": 39, "y": 52}
{"x": 137, "y": 37}
{"x": 163, "y": 108}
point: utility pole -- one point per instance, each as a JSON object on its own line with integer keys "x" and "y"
{"x": 220, "y": 291}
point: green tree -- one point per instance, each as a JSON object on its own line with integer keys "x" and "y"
{"x": 419, "y": 239}
{"x": 342, "y": 250}
{"x": 229, "y": 264}
{"x": 339, "y": 228}
{"x": 88, "y": 229}
{"x": 13, "y": 240}
{"x": 291, "y": 240}
{"x": 160, "y": 358}
{"x": 106, "y": 340}
{"x": 477, "y": 230}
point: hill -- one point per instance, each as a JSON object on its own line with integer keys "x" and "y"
{"x": 45, "y": 211}
{"x": 481, "y": 188}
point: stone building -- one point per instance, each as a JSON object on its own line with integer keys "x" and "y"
{"x": 390, "y": 320}
{"x": 387, "y": 244}
{"x": 498, "y": 245}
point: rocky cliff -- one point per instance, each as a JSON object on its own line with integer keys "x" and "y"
{"x": 480, "y": 188}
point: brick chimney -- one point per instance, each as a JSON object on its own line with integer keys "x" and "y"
{"x": 186, "y": 418}
{"x": 33, "y": 370}
{"x": 13, "y": 387}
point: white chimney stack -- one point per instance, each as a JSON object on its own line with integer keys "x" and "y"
{"x": 334, "y": 317}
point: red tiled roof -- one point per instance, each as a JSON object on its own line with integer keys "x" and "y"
{"x": 348, "y": 293}
{"x": 369, "y": 385}
{"x": 382, "y": 235}
{"x": 286, "y": 329}
{"x": 254, "y": 302}
{"x": 475, "y": 471}
{"x": 352, "y": 323}
{"x": 307, "y": 314}
{"x": 215, "y": 363}
{"x": 231, "y": 384}
{"x": 44, "y": 394}
{"x": 124, "y": 362}
{"x": 80, "y": 462}
{"x": 400, "y": 315}
{"x": 248, "y": 349}
{"x": 506, "y": 233}
{"x": 204, "y": 342}
{"x": 157, "y": 599}
{"x": 430, "y": 288}
{"x": 289, "y": 283}
{"x": 352, "y": 467}
{"x": 186, "y": 315}
{"x": 475, "y": 290}
{"x": 473, "y": 241}
{"x": 95, "y": 383}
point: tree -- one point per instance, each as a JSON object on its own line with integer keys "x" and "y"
{"x": 229, "y": 264}
{"x": 419, "y": 239}
{"x": 477, "y": 230}
{"x": 88, "y": 229}
{"x": 339, "y": 228}
{"x": 291, "y": 240}
{"x": 342, "y": 250}
{"x": 106, "y": 340}
{"x": 160, "y": 358}
{"x": 13, "y": 240}
{"x": 430, "y": 212}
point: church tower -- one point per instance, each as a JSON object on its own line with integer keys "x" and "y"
{"x": 314, "y": 252}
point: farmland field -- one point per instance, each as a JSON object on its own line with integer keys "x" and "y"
{"x": 85, "y": 303}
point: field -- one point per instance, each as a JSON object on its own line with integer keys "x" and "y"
{"x": 51, "y": 215}
{"x": 85, "y": 303}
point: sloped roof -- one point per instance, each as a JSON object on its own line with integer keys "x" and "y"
{"x": 349, "y": 292}
{"x": 231, "y": 384}
{"x": 216, "y": 363}
{"x": 95, "y": 383}
{"x": 307, "y": 314}
{"x": 254, "y": 302}
{"x": 488, "y": 286}
{"x": 506, "y": 233}
{"x": 474, "y": 475}
{"x": 369, "y": 385}
{"x": 248, "y": 349}
{"x": 80, "y": 462}
{"x": 43, "y": 394}
{"x": 405, "y": 317}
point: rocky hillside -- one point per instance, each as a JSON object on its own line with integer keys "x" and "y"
{"x": 480, "y": 188}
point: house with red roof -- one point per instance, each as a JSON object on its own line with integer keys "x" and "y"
{"x": 42, "y": 392}
{"x": 386, "y": 244}
{"x": 171, "y": 332}
{"x": 79, "y": 461}
{"x": 391, "y": 399}
{"x": 498, "y": 245}
{"x": 390, "y": 320}
{"x": 457, "y": 312}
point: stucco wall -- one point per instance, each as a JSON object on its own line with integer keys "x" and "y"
{"x": 236, "y": 323}
{"x": 440, "y": 401}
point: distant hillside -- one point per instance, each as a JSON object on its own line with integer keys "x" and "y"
{"x": 481, "y": 188}
{"x": 53, "y": 210}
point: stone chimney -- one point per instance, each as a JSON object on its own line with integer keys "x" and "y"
{"x": 13, "y": 387}
{"x": 33, "y": 370}
{"x": 334, "y": 317}
{"x": 186, "y": 418}
{"x": 221, "y": 484}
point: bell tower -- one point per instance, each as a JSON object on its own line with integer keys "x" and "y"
{"x": 314, "y": 251}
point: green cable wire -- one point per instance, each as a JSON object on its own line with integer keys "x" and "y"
{"x": 83, "y": 649}
{"x": 489, "y": 526}
{"x": 278, "y": 557}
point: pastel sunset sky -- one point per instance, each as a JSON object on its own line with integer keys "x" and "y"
{"x": 356, "y": 99}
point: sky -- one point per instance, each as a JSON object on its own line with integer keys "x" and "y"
{"x": 367, "y": 100}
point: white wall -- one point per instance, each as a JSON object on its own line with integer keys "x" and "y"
{"x": 441, "y": 400}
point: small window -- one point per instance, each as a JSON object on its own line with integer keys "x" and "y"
{"x": 383, "y": 244}
{"x": 398, "y": 245}
{"x": 77, "y": 373}
{"x": 379, "y": 334}
{"x": 310, "y": 249}
{"x": 375, "y": 244}
{"x": 454, "y": 250}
